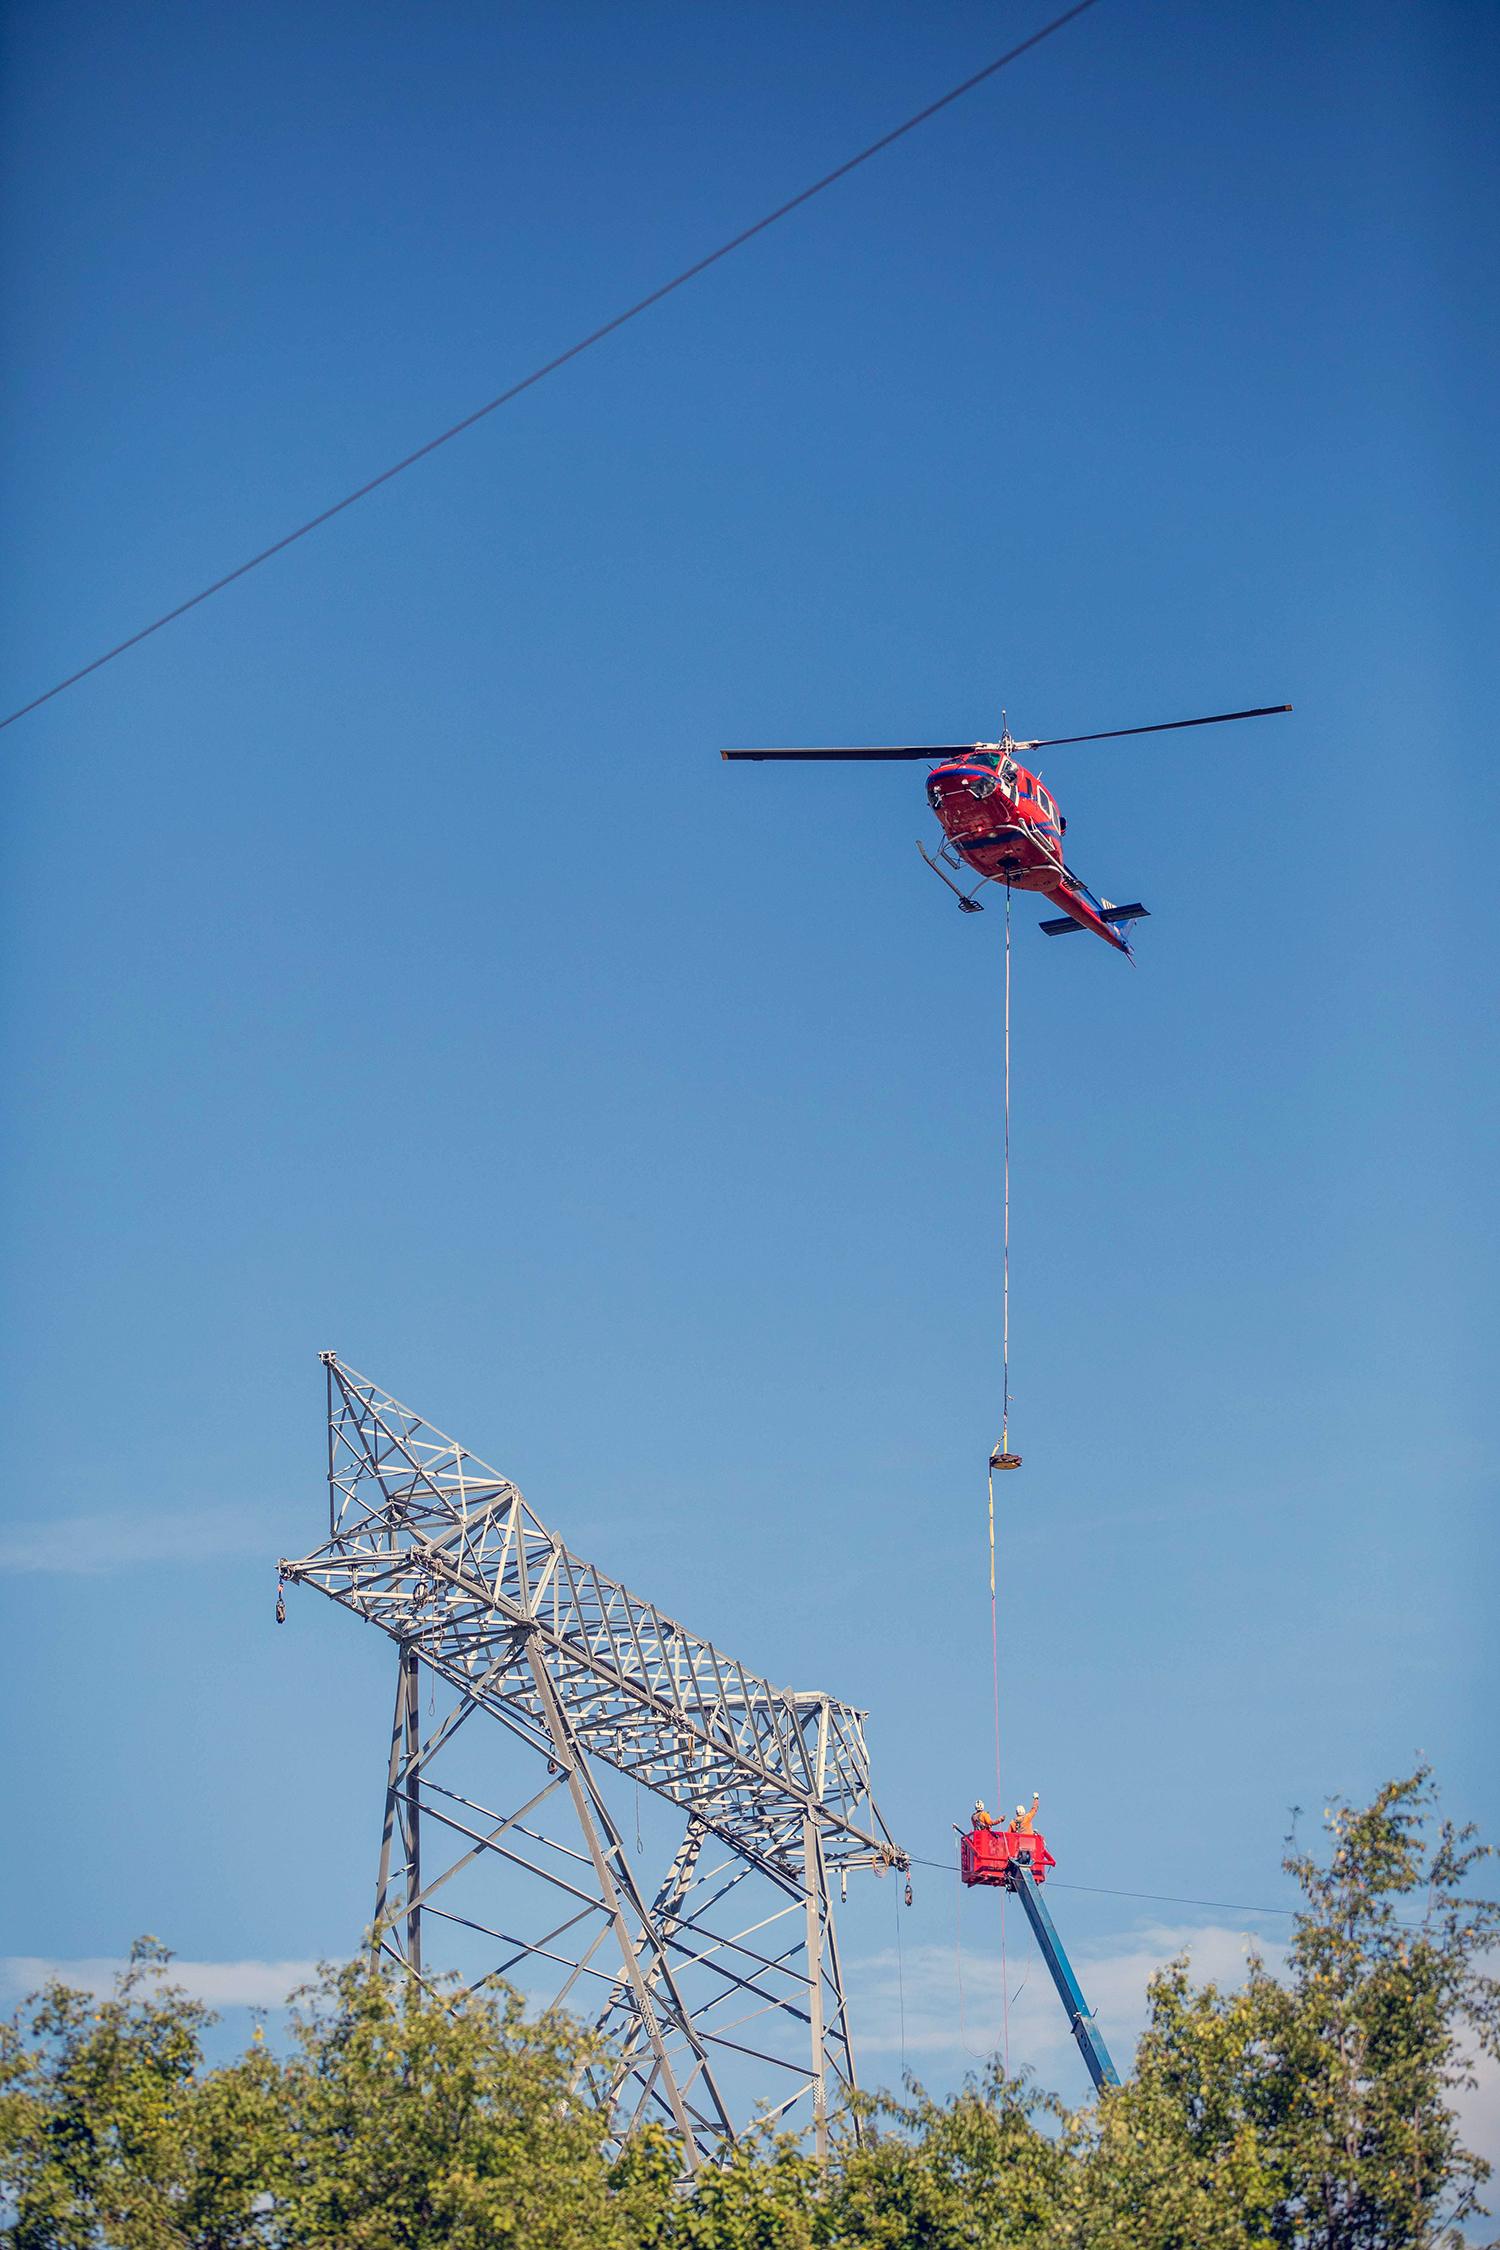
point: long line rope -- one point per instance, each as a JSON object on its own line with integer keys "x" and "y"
{"x": 1004, "y": 1993}
{"x": 973, "y": 2053}
{"x": 1004, "y": 1449}
{"x": 550, "y": 367}
{"x": 1001, "y": 1451}
{"x": 995, "y": 1652}
{"x": 900, "y": 1985}
{"x": 1005, "y": 1266}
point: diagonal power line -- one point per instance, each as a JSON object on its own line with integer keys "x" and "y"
{"x": 539, "y": 374}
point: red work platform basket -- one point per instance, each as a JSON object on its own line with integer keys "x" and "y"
{"x": 985, "y": 1855}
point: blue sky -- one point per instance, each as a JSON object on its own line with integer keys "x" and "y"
{"x": 392, "y": 965}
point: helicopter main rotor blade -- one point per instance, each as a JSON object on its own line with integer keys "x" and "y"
{"x": 894, "y": 750}
{"x": 1163, "y": 726}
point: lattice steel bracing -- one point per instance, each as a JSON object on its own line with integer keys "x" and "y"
{"x": 554, "y": 1698}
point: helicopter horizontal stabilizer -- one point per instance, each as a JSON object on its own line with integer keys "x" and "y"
{"x": 1065, "y": 922}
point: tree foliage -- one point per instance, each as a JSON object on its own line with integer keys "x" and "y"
{"x": 1316, "y": 2109}
{"x": 1311, "y": 2110}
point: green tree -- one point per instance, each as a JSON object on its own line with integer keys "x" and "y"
{"x": 1390, "y": 1999}
{"x": 401, "y": 2119}
{"x": 946, "y": 2175}
{"x": 415, "y": 2118}
{"x": 1187, "y": 2152}
{"x": 1317, "y": 2111}
{"x": 1311, "y": 2110}
{"x": 109, "y": 2133}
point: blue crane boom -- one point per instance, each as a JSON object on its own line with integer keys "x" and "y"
{"x": 1017, "y": 1859}
{"x": 1096, "y": 2058}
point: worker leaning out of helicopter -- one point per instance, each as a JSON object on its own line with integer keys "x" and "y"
{"x": 1021, "y": 1823}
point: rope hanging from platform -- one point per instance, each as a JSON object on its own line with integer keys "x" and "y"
{"x": 995, "y": 1651}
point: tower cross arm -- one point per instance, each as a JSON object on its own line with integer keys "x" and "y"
{"x": 444, "y": 1554}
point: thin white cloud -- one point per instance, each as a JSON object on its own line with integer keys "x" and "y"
{"x": 219, "y": 1984}
{"x": 1478, "y": 2108}
{"x": 932, "y": 2003}
{"x": 89, "y": 1545}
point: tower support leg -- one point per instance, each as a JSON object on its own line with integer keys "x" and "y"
{"x": 630, "y": 1920}
{"x": 815, "y": 1899}
{"x": 838, "y": 2042}
{"x": 616, "y": 2017}
{"x": 397, "y": 1924}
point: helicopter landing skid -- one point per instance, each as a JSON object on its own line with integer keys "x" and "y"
{"x": 968, "y": 904}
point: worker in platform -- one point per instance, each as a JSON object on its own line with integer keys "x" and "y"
{"x": 981, "y": 1818}
{"x": 1024, "y": 1822}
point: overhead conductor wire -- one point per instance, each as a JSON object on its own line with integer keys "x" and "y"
{"x": 1160, "y": 1898}
{"x": 550, "y": 367}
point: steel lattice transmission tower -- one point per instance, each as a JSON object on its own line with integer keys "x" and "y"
{"x": 718, "y": 1984}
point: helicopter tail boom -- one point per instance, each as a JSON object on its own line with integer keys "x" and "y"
{"x": 1086, "y": 912}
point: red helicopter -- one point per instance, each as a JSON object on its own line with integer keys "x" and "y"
{"x": 997, "y": 817}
